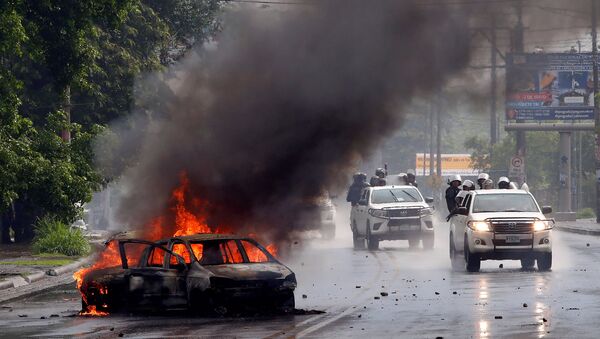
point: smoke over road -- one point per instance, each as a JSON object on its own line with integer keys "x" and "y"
{"x": 284, "y": 105}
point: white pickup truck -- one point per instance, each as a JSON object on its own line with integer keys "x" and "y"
{"x": 501, "y": 224}
{"x": 392, "y": 213}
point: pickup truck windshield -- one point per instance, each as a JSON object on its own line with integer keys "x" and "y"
{"x": 504, "y": 203}
{"x": 384, "y": 196}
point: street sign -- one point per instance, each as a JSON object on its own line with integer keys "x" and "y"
{"x": 517, "y": 167}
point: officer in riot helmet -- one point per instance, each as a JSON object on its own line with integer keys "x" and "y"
{"x": 452, "y": 191}
{"x": 467, "y": 186}
{"x": 503, "y": 183}
{"x": 411, "y": 179}
{"x": 481, "y": 178}
{"x": 358, "y": 184}
{"x": 379, "y": 178}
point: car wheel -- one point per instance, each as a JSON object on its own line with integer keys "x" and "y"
{"x": 288, "y": 304}
{"x": 527, "y": 263}
{"x": 84, "y": 305}
{"x": 357, "y": 240}
{"x": 544, "y": 262}
{"x": 473, "y": 261}
{"x": 428, "y": 241}
{"x": 372, "y": 242}
{"x": 457, "y": 264}
{"x": 413, "y": 243}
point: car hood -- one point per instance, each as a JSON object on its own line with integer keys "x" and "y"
{"x": 257, "y": 271}
{"x": 399, "y": 205}
{"x": 482, "y": 216}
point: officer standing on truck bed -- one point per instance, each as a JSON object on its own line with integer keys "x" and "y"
{"x": 354, "y": 191}
{"x": 379, "y": 178}
{"x": 452, "y": 191}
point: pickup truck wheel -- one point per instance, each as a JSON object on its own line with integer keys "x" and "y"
{"x": 527, "y": 263}
{"x": 428, "y": 241}
{"x": 357, "y": 240}
{"x": 372, "y": 242}
{"x": 473, "y": 261}
{"x": 457, "y": 263}
{"x": 544, "y": 262}
{"x": 413, "y": 243}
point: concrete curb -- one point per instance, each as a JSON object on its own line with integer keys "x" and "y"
{"x": 6, "y": 284}
{"x": 578, "y": 230}
{"x": 49, "y": 273}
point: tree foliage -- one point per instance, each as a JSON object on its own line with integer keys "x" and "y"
{"x": 96, "y": 49}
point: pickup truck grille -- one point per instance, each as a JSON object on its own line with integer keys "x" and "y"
{"x": 404, "y": 212}
{"x": 512, "y": 226}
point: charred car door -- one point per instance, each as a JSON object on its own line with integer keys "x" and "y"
{"x": 153, "y": 282}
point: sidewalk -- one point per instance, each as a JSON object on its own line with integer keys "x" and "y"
{"x": 581, "y": 226}
{"x": 22, "y": 273}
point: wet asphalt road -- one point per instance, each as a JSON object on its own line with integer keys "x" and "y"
{"x": 425, "y": 299}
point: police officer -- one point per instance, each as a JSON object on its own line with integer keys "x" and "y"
{"x": 488, "y": 184}
{"x": 411, "y": 179}
{"x": 481, "y": 178}
{"x": 504, "y": 183}
{"x": 379, "y": 178}
{"x": 452, "y": 191}
{"x": 354, "y": 191}
{"x": 467, "y": 186}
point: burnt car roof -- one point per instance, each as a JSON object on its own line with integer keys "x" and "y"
{"x": 208, "y": 236}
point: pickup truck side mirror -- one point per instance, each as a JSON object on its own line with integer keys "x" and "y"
{"x": 362, "y": 202}
{"x": 462, "y": 211}
{"x": 546, "y": 209}
{"x": 428, "y": 200}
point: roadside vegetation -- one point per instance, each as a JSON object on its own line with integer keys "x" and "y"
{"x": 55, "y": 237}
{"x": 67, "y": 70}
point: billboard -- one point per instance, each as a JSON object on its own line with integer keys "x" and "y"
{"x": 451, "y": 164}
{"x": 549, "y": 88}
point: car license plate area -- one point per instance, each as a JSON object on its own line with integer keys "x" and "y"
{"x": 405, "y": 228}
{"x": 513, "y": 239}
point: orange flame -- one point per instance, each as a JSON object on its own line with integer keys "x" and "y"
{"x": 185, "y": 222}
{"x": 91, "y": 311}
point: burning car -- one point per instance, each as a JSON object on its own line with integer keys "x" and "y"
{"x": 207, "y": 273}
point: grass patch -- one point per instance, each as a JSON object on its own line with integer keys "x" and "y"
{"x": 47, "y": 262}
{"x": 55, "y": 237}
{"x": 586, "y": 213}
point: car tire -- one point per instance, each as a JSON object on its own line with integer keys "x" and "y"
{"x": 372, "y": 242}
{"x": 288, "y": 304}
{"x": 413, "y": 243}
{"x": 357, "y": 240}
{"x": 473, "y": 262}
{"x": 527, "y": 263}
{"x": 544, "y": 262}
{"x": 428, "y": 241}
{"x": 84, "y": 305}
{"x": 455, "y": 261}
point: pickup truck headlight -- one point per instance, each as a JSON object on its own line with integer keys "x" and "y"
{"x": 541, "y": 225}
{"x": 426, "y": 211}
{"x": 480, "y": 226}
{"x": 378, "y": 213}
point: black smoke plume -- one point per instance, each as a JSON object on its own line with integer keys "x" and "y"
{"x": 285, "y": 104}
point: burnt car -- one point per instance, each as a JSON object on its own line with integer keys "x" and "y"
{"x": 208, "y": 273}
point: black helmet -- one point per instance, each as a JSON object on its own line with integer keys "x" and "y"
{"x": 380, "y": 172}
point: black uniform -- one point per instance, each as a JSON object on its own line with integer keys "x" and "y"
{"x": 451, "y": 193}
{"x": 377, "y": 181}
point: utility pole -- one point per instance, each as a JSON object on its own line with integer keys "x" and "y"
{"x": 439, "y": 133}
{"x": 519, "y": 47}
{"x": 432, "y": 109}
{"x": 596, "y": 105}
{"x": 494, "y": 85}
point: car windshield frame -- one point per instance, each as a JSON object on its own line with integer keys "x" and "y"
{"x": 514, "y": 203}
{"x": 241, "y": 249}
{"x": 396, "y": 195}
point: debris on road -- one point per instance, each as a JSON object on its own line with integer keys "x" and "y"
{"x": 501, "y": 266}
{"x": 498, "y": 317}
{"x": 304, "y": 296}
{"x": 525, "y": 305}
{"x": 384, "y": 294}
